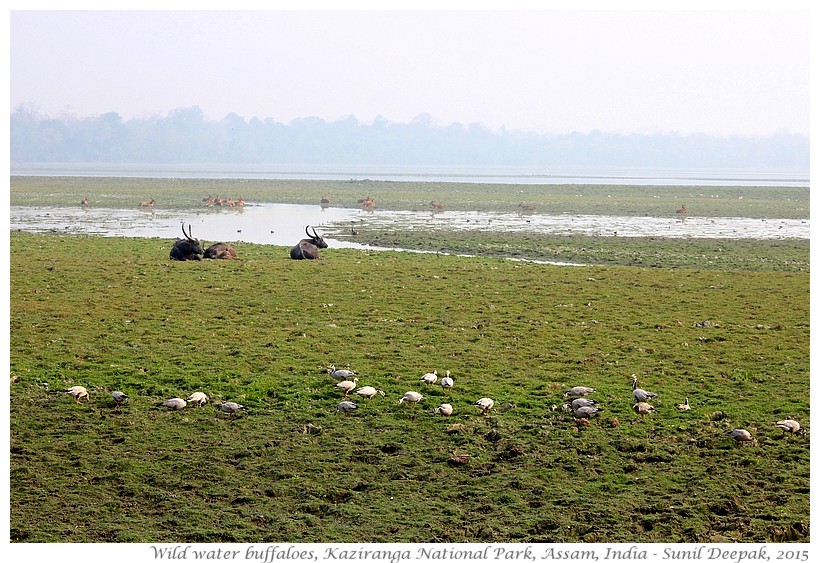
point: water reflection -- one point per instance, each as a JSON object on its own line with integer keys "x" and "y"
{"x": 284, "y": 225}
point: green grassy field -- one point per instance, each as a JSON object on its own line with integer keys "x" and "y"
{"x": 117, "y": 314}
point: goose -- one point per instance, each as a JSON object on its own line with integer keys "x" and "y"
{"x": 369, "y": 392}
{"x": 175, "y": 404}
{"x": 740, "y": 435}
{"x": 581, "y": 402}
{"x": 579, "y": 391}
{"x": 484, "y": 405}
{"x": 643, "y": 408}
{"x": 78, "y": 392}
{"x": 348, "y": 385}
{"x": 640, "y": 395}
{"x": 198, "y": 398}
{"x": 341, "y": 374}
{"x": 447, "y": 381}
{"x": 411, "y": 397}
{"x": 586, "y": 412}
{"x": 119, "y": 398}
{"x": 229, "y": 407}
{"x": 346, "y": 407}
{"x": 445, "y": 409}
{"x": 684, "y": 406}
{"x": 430, "y": 378}
{"x": 790, "y": 426}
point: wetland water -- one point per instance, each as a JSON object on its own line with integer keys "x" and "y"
{"x": 284, "y": 224}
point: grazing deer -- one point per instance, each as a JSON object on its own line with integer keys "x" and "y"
{"x": 368, "y": 203}
{"x": 308, "y": 248}
{"x": 218, "y": 200}
{"x": 526, "y": 207}
{"x": 84, "y": 202}
{"x": 187, "y": 248}
{"x": 437, "y": 206}
{"x": 149, "y": 203}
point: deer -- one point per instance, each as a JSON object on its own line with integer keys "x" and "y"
{"x": 368, "y": 203}
{"x": 308, "y": 248}
{"x": 526, "y": 206}
{"x": 324, "y": 202}
{"x": 437, "y": 206}
{"x": 187, "y": 248}
{"x": 149, "y": 203}
{"x": 682, "y": 210}
{"x": 84, "y": 202}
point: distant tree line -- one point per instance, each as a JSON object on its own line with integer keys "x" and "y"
{"x": 185, "y": 136}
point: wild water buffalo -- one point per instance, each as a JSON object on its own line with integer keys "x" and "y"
{"x": 220, "y": 251}
{"x": 187, "y": 248}
{"x": 308, "y": 248}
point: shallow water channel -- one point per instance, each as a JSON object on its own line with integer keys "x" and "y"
{"x": 284, "y": 224}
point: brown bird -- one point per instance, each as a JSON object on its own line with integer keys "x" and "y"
{"x": 643, "y": 409}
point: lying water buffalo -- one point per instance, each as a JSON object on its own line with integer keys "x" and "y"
{"x": 308, "y": 248}
{"x": 220, "y": 250}
{"x": 187, "y": 248}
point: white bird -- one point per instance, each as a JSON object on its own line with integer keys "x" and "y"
{"x": 175, "y": 404}
{"x": 78, "y": 392}
{"x": 790, "y": 426}
{"x": 341, "y": 374}
{"x": 740, "y": 435}
{"x": 346, "y": 407}
{"x": 430, "y": 378}
{"x": 447, "y": 381}
{"x": 198, "y": 398}
{"x": 579, "y": 391}
{"x": 640, "y": 395}
{"x": 411, "y": 397}
{"x": 643, "y": 409}
{"x": 581, "y": 402}
{"x": 229, "y": 407}
{"x": 484, "y": 405}
{"x": 369, "y": 392}
{"x": 119, "y": 398}
{"x": 348, "y": 385}
{"x": 684, "y": 406}
{"x": 445, "y": 409}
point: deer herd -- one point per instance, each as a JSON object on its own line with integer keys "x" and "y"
{"x": 190, "y": 248}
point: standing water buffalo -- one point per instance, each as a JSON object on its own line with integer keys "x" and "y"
{"x": 308, "y": 248}
{"x": 220, "y": 250}
{"x": 187, "y": 248}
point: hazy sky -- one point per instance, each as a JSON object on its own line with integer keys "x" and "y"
{"x": 716, "y": 72}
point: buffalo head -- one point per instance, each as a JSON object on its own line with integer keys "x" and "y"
{"x": 220, "y": 250}
{"x": 187, "y": 248}
{"x": 308, "y": 248}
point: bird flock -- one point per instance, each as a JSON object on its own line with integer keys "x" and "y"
{"x": 584, "y": 408}
{"x": 577, "y": 402}
{"x": 196, "y": 399}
